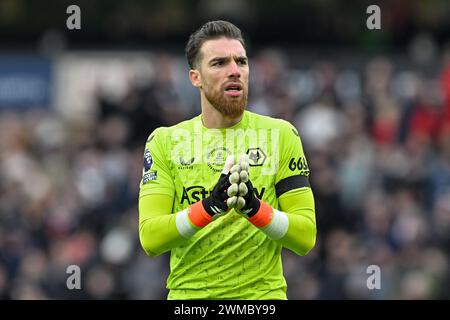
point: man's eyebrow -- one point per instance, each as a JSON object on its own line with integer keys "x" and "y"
{"x": 218, "y": 59}
{"x": 215, "y": 59}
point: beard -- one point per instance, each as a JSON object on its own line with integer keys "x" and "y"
{"x": 232, "y": 107}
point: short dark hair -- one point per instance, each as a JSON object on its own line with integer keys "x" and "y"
{"x": 210, "y": 30}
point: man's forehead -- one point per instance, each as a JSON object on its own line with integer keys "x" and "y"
{"x": 222, "y": 47}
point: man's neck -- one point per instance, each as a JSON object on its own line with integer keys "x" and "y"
{"x": 213, "y": 119}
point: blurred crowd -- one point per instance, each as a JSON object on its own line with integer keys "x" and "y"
{"x": 376, "y": 136}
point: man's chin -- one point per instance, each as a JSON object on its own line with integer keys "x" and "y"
{"x": 232, "y": 112}
{"x": 229, "y": 107}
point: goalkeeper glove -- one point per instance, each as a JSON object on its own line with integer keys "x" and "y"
{"x": 238, "y": 188}
{"x": 243, "y": 198}
{"x": 215, "y": 205}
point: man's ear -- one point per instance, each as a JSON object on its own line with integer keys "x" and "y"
{"x": 195, "y": 77}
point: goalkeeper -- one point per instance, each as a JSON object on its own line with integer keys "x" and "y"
{"x": 227, "y": 190}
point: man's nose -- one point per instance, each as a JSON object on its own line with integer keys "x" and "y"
{"x": 234, "y": 71}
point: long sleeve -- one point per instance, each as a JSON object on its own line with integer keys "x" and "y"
{"x": 157, "y": 223}
{"x": 295, "y": 197}
{"x": 158, "y": 232}
{"x": 298, "y": 205}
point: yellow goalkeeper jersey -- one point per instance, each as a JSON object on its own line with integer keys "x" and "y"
{"x": 230, "y": 257}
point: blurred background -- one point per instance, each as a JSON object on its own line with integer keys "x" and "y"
{"x": 372, "y": 108}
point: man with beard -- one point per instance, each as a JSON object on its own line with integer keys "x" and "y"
{"x": 224, "y": 192}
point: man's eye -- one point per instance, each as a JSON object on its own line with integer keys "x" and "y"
{"x": 242, "y": 62}
{"x": 218, "y": 63}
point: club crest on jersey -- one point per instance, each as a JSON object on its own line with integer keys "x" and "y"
{"x": 256, "y": 157}
{"x": 148, "y": 160}
{"x": 216, "y": 158}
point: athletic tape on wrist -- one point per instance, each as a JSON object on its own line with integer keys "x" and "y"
{"x": 278, "y": 227}
{"x": 184, "y": 226}
{"x": 198, "y": 216}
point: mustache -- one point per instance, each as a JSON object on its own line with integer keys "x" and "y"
{"x": 236, "y": 83}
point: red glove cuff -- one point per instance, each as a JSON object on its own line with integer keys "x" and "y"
{"x": 198, "y": 216}
{"x": 264, "y": 215}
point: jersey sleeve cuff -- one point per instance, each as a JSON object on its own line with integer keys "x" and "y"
{"x": 278, "y": 226}
{"x": 184, "y": 226}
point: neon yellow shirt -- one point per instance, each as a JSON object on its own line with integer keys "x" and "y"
{"x": 230, "y": 258}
